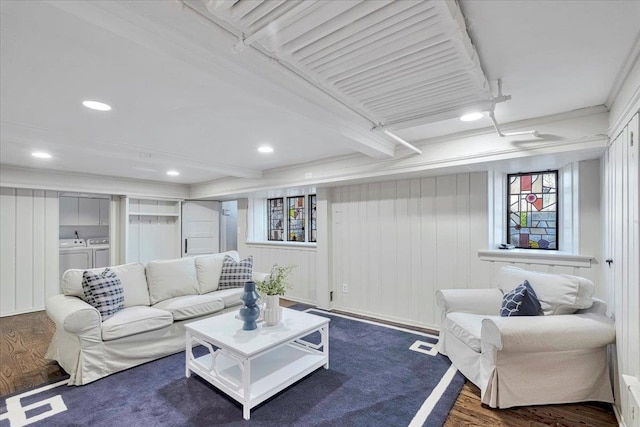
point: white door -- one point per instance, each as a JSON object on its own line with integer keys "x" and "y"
{"x": 200, "y": 227}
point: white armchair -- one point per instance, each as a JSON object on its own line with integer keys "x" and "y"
{"x": 529, "y": 360}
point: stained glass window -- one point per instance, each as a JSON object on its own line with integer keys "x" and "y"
{"x": 276, "y": 218}
{"x": 295, "y": 223}
{"x": 312, "y": 218}
{"x": 533, "y": 210}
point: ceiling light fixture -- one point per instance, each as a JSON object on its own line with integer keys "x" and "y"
{"x": 265, "y": 149}
{"x": 173, "y": 173}
{"x": 95, "y": 105}
{"x": 472, "y": 117}
{"x": 41, "y": 155}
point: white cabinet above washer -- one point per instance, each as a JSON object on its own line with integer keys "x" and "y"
{"x": 83, "y": 211}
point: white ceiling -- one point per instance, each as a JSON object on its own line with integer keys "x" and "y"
{"x": 182, "y": 99}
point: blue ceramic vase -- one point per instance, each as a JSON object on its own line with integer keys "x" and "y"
{"x": 250, "y": 311}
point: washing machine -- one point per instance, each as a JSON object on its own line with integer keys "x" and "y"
{"x": 74, "y": 253}
{"x": 100, "y": 248}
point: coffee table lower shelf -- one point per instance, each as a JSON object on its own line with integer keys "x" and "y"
{"x": 269, "y": 373}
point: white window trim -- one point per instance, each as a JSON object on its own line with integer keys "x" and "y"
{"x": 568, "y": 219}
{"x": 257, "y": 223}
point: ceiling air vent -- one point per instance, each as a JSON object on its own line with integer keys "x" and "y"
{"x": 399, "y": 63}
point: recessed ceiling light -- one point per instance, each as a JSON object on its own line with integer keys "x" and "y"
{"x": 265, "y": 149}
{"x": 471, "y": 117}
{"x": 41, "y": 155}
{"x": 173, "y": 173}
{"x": 95, "y": 105}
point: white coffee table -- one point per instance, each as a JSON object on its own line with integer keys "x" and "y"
{"x": 251, "y": 366}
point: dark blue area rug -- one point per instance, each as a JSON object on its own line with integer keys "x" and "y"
{"x": 378, "y": 376}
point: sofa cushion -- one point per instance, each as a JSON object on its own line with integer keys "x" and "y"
{"x": 230, "y": 297}
{"x": 208, "y": 269}
{"x": 104, "y": 292}
{"x": 235, "y": 273}
{"x": 134, "y": 320}
{"x": 557, "y": 293}
{"x": 131, "y": 277}
{"x": 466, "y": 327}
{"x": 190, "y": 306}
{"x": 522, "y": 301}
{"x": 171, "y": 278}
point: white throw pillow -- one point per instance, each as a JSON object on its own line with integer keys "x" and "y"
{"x": 171, "y": 278}
{"x": 208, "y": 268}
{"x": 557, "y": 293}
{"x": 131, "y": 276}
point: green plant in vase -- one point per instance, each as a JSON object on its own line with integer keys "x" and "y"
{"x": 272, "y": 287}
{"x": 277, "y": 282}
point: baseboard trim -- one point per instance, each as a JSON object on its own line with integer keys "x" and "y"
{"x": 621, "y": 423}
{"x": 16, "y": 313}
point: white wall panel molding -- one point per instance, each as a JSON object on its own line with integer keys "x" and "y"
{"x": 303, "y": 276}
{"x": 564, "y": 140}
{"x": 29, "y": 249}
{"x": 620, "y": 200}
{"x": 62, "y": 181}
{"x": 395, "y": 243}
{"x": 304, "y": 258}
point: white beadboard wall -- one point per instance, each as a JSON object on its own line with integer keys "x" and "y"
{"x": 28, "y": 249}
{"x": 395, "y": 243}
{"x": 303, "y": 277}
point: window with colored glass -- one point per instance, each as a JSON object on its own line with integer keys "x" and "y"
{"x": 532, "y": 221}
{"x": 295, "y": 219}
{"x": 312, "y": 218}
{"x": 275, "y": 219}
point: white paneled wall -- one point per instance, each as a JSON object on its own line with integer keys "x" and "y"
{"x": 303, "y": 277}
{"x": 28, "y": 249}
{"x": 395, "y": 243}
{"x": 151, "y": 229}
{"x": 622, "y": 248}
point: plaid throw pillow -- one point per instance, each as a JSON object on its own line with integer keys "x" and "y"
{"x": 103, "y": 291}
{"x": 234, "y": 274}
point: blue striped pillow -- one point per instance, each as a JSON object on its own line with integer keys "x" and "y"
{"x": 103, "y": 291}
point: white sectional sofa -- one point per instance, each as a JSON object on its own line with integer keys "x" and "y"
{"x": 159, "y": 299}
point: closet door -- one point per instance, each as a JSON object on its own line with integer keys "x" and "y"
{"x": 200, "y": 227}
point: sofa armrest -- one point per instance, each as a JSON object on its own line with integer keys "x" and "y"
{"x": 74, "y": 316}
{"x": 598, "y": 307}
{"x": 256, "y": 276}
{"x": 475, "y": 301}
{"x": 548, "y": 333}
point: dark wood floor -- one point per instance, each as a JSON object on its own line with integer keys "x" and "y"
{"x": 24, "y": 340}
